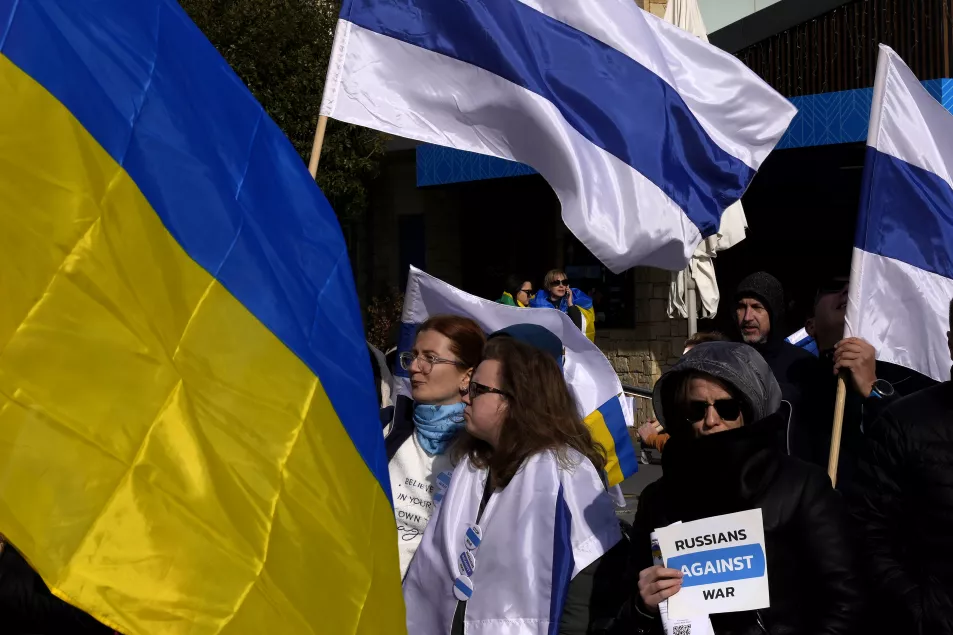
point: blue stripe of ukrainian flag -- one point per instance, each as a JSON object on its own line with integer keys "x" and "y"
{"x": 186, "y": 405}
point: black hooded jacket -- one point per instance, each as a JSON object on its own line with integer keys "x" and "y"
{"x": 812, "y": 572}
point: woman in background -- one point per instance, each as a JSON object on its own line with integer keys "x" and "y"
{"x": 557, "y": 294}
{"x": 518, "y": 292}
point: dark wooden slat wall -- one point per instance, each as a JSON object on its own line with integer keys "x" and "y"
{"x": 838, "y": 50}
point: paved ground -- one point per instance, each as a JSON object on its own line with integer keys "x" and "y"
{"x": 634, "y": 485}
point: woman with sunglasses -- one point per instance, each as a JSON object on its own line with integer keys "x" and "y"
{"x": 518, "y": 292}
{"x": 557, "y": 294}
{"x": 720, "y": 403}
{"x": 517, "y": 544}
{"x": 446, "y": 350}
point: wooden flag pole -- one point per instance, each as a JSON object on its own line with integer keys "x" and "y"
{"x": 316, "y": 148}
{"x": 837, "y": 429}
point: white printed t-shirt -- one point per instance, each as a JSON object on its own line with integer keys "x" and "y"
{"x": 414, "y": 479}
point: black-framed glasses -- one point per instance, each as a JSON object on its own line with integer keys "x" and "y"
{"x": 526, "y": 291}
{"x": 561, "y": 283}
{"x": 427, "y": 361}
{"x": 727, "y": 409}
{"x": 476, "y": 389}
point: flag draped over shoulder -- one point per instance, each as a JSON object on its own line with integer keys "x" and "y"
{"x": 645, "y": 132}
{"x": 188, "y": 432}
{"x": 594, "y": 384}
{"x": 901, "y": 279}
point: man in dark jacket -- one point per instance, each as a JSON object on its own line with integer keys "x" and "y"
{"x": 759, "y": 315}
{"x": 871, "y": 385}
{"x": 904, "y": 510}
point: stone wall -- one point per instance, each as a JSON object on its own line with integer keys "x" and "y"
{"x": 655, "y": 6}
{"x": 642, "y": 354}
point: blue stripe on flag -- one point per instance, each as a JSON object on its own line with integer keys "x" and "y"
{"x": 624, "y": 450}
{"x": 906, "y": 213}
{"x": 223, "y": 178}
{"x": 609, "y": 98}
{"x": 563, "y": 561}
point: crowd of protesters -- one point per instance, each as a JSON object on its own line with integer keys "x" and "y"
{"x": 743, "y": 422}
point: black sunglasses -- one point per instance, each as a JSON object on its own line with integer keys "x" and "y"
{"x": 526, "y": 291}
{"x": 479, "y": 389}
{"x": 560, "y": 283}
{"x": 727, "y": 409}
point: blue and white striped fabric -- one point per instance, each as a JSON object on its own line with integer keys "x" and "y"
{"x": 802, "y": 340}
{"x": 645, "y": 132}
{"x": 901, "y": 277}
{"x": 549, "y": 523}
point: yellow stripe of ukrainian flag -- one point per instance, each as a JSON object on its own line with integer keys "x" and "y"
{"x": 171, "y": 466}
{"x": 607, "y": 426}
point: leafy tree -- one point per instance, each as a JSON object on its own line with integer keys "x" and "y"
{"x": 280, "y": 49}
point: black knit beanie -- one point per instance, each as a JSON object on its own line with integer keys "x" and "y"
{"x": 766, "y": 288}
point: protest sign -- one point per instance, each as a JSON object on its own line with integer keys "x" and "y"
{"x": 697, "y": 625}
{"x": 723, "y": 562}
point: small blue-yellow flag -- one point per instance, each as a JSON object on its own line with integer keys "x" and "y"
{"x": 188, "y": 435}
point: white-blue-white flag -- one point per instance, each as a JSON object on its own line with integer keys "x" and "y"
{"x": 591, "y": 378}
{"x": 901, "y": 278}
{"x": 645, "y": 132}
{"x": 801, "y": 339}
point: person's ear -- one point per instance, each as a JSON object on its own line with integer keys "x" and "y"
{"x": 465, "y": 380}
{"x": 809, "y": 327}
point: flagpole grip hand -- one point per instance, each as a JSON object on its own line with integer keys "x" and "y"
{"x": 860, "y": 358}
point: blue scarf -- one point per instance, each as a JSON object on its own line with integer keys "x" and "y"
{"x": 436, "y": 426}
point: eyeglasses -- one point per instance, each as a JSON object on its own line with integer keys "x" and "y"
{"x": 427, "y": 361}
{"x": 560, "y": 283}
{"x": 477, "y": 389}
{"x": 727, "y": 409}
{"x": 527, "y": 291}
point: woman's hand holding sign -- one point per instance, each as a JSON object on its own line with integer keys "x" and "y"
{"x": 657, "y": 584}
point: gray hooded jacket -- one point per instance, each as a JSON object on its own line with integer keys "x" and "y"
{"x": 738, "y": 365}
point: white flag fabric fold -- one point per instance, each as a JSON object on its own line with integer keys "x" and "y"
{"x": 686, "y": 15}
{"x": 645, "y": 133}
{"x": 901, "y": 279}
{"x": 591, "y": 379}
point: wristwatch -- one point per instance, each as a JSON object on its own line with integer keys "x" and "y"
{"x": 882, "y": 388}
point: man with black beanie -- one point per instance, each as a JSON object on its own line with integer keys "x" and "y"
{"x": 759, "y": 315}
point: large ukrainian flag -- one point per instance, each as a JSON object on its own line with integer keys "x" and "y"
{"x": 188, "y": 434}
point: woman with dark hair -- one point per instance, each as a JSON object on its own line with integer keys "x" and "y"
{"x": 445, "y": 352}
{"x": 720, "y": 403}
{"x": 518, "y": 292}
{"x": 557, "y": 294}
{"x": 518, "y": 540}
